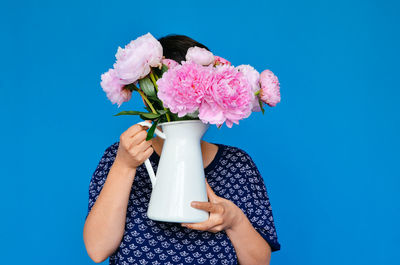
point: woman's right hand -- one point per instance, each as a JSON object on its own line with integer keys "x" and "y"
{"x": 133, "y": 148}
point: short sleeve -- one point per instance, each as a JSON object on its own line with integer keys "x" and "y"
{"x": 257, "y": 206}
{"x": 100, "y": 174}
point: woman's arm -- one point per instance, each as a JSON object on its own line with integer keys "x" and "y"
{"x": 250, "y": 246}
{"x": 104, "y": 226}
{"x": 105, "y": 223}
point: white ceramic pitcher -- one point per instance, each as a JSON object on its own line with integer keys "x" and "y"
{"x": 180, "y": 175}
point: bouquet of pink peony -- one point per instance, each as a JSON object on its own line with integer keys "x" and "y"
{"x": 205, "y": 86}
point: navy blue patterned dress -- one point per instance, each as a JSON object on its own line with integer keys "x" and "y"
{"x": 232, "y": 175}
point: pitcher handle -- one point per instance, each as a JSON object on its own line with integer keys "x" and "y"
{"x": 147, "y": 161}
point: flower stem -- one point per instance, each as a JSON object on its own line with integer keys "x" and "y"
{"x": 147, "y": 101}
{"x": 166, "y": 114}
{"x": 154, "y": 79}
{"x": 258, "y": 92}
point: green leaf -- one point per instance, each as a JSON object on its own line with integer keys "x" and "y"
{"x": 147, "y": 108}
{"x": 151, "y": 115}
{"x": 261, "y": 105}
{"x": 132, "y": 87}
{"x": 153, "y": 97}
{"x": 164, "y": 69}
{"x": 130, "y": 112}
{"x": 163, "y": 111}
{"x": 150, "y": 133}
{"x": 156, "y": 102}
{"x": 147, "y": 86}
{"x": 133, "y": 112}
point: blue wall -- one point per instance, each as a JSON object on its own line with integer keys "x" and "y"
{"x": 327, "y": 152}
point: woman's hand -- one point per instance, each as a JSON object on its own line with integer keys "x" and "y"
{"x": 224, "y": 214}
{"x": 133, "y": 148}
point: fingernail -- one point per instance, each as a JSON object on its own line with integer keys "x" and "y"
{"x": 193, "y": 203}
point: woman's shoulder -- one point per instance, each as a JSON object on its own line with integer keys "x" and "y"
{"x": 232, "y": 150}
{"x": 235, "y": 154}
{"x": 112, "y": 149}
{"x": 110, "y": 152}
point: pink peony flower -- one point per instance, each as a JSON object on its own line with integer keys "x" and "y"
{"x": 181, "y": 89}
{"x": 170, "y": 63}
{"x": 114, "y": 89}
{"x": 199, "y": 55}
{"x": 253, "y": 76}
{"x": 228, "y": 98}
{"x": 134, "y": 61}
{"x": 270, "y": 90}
{"x": 219, "y": 60}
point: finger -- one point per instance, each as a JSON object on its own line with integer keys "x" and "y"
{"x": 216, "y": 229}
{"x": 133, "y": 130}
{"x": 203, "y": 226}
{"x": 140, "y": 128}
{"x": 143, "y": 145}
{"x": 143, "y": 129}
{"x": 139, "y": 142}
{"x": 206, "y": 206}
{"x": 138, "y": 138}
{"x": 148, "y": 152}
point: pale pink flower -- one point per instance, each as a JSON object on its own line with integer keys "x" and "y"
{"x": 228, "y": 98}
{"x": 181, "y": 89}
{"x": 253, "y": 76}
{"x": 134, "y": 61}
{"x": 169, "y": 63}
{"x": 199, "y": 55}
{"x": 219, "y": 60}
{"x": 270, "y": 88}
{"x": 114, "y": 89}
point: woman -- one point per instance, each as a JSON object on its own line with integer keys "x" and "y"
{"x": 240, "y": 229}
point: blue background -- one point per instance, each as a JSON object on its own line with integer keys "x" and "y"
{"x": 328, "y": 152}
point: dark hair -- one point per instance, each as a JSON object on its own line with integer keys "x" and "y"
{"x": 175, "y": 46}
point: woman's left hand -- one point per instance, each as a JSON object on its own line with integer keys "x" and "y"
{"x": 224, "y": 214}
